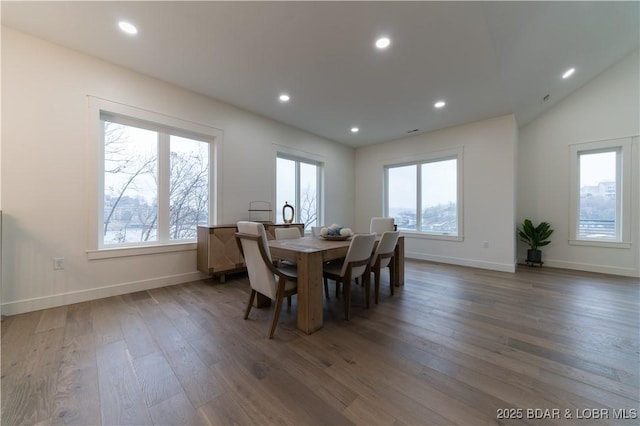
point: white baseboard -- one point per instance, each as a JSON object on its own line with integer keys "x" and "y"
{"x": 502, "y": 267}
{"x": 589, "y": 267}
{"x": 54, "y": 300}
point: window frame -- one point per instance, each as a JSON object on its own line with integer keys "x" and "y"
{"x": 298, "y": 158}
{"x": 137, "y": 117}
{"x": 425, "y": 158}
{"x": 624, "y": 186}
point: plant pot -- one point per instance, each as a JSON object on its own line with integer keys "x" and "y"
{"x": 534, "y": 256}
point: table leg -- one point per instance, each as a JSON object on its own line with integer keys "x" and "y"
{"x": 309, "y": 291}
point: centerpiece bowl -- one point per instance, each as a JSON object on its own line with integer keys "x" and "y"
{"x": 336, "y": 233}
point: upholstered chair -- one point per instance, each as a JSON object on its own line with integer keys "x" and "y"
{"x": 357, "y": 263}
{"x": 287, "y": 233}
{"x": 265, "y": 278}
{"x": 381, "y": 224}
{"x": 382, "y": 258}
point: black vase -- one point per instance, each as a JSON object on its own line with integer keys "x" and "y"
{"x": 534, "y": 256}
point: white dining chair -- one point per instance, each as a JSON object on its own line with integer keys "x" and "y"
{"x": 287, "y": 233}
{"x": 253, "y": 244}
{"x": 356, "y": 264}
{"x": 379, "y": 225}
{"x": 382, "y": 258}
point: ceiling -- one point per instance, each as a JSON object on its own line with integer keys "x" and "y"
{"x": 484, "y": 59}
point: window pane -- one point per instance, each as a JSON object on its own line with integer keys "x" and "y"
{"x": 598, "y": 195}
{"x": 439, "y": 197}
{"x": 402, "y": 196}
{"x": 308, "y": 212}
{"x": 188, "y": 187}
{"x": 285, "y": 185}
{"x": 130, "y": 184}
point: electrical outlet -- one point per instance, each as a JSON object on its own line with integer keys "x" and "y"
{"x": 485, "y": 244}
{"x": 58, "y": 263}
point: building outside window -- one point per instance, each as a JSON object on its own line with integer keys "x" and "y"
{"x": 599, "y": 181}
{"x": 424, "y": 196}
{"x": 601, "y": 192}
{"x": 155, "y": 184}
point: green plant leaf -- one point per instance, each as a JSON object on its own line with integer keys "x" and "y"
{"x": 535, "y": 236}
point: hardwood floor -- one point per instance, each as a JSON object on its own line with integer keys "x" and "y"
{"x": 453, "y": 346}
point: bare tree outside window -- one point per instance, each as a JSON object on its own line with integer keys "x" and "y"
{"x": 308, "y": 209}
{"x": 297, "y": 183}
{"x": 188, "y": 188}
{"x": 132, "y": 185}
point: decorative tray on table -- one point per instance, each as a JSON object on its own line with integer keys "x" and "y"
{"x": 336, "y": 237}
{"x": 336, "y": 233}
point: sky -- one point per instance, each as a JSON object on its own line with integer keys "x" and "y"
{"x": 597, "y": 167}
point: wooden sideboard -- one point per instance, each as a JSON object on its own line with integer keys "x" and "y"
{"x": 218, "y": 252}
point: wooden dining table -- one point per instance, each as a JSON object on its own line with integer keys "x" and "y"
{"x": 310, "y": 253}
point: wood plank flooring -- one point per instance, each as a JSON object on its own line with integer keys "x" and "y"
{"x": 453, "y": 346}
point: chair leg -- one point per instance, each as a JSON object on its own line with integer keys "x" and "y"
{"x": 326, "y": 288}
{"x": 347, "y": 295}
{"x": 276, "y": 314}
{"x": 250, "y": 304}
{"x": 392, "y": 283}
{"x": 289, "y": 301}
{"x": 376, "y": 290}
{"x": 366, "y": 281}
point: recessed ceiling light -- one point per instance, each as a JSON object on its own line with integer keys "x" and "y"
{"x": 354, "y": 130}
{"x": 383, "y": 43}
{"x": 284, "y": 97}
{"x": 128, "y": 27}
{"x": 568, "y": 73}
{"x": 439, "y": 104}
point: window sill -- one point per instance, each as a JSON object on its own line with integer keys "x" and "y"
{"x": 139, "y": 251}
{"x": 427, "y": 236}
{"x": 600, "y": 243}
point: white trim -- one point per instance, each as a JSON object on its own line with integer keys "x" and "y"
{"x": 429, "y": 236}
{"x": 429, "y": 157}
{"x": 624, "y": 183}
{"x": 61, "y": 299}
{"x": 591, "y": 267}
{"x": 98, "y": 106}
{"x": 472, "y": 263}
{"x": 287, "y": 153}
{"x": 601, "y": 243}
{"x": 110, "y": 253}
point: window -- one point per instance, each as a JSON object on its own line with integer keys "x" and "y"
{"x": 298, "y": 182}
{"x": 155, "y": 183}
{"x": 425, "y": 196}
{"x": 600, "y": 192}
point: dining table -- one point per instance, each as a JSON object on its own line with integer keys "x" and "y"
{"x": 310, "y": 253}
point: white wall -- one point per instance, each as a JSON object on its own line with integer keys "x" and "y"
{"x": 46, "y": 170}
{"x": 605, "y": 108}
{"x": 489, "y": 191}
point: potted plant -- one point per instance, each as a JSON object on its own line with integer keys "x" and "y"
{"x": 535, "y": 237}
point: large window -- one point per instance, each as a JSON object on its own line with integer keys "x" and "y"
{"x": 155, "y": 183}
{"x": 298, "y": 182}
{"x": 601, "y": 188}
{"x": 425, "y": 196}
